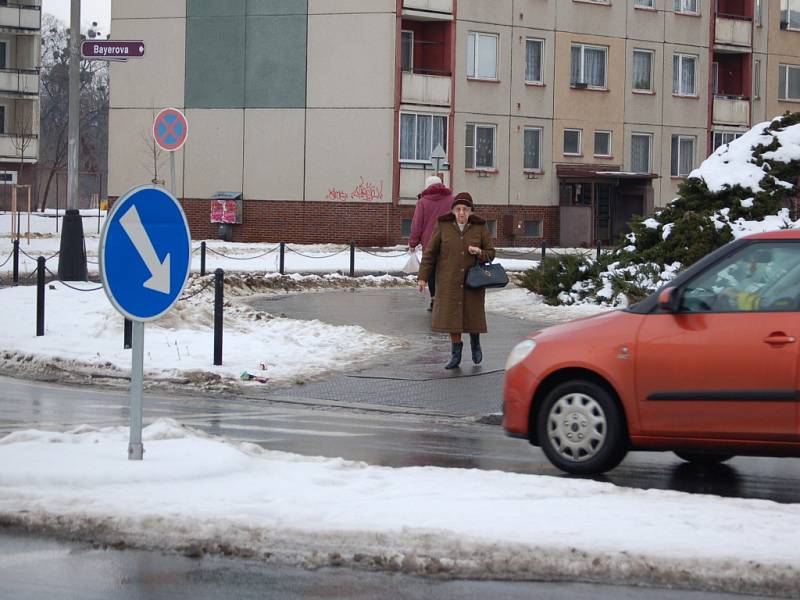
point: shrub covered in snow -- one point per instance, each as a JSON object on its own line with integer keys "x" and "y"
{"x": 743, "y": 187}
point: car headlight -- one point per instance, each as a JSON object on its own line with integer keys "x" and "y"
{"x": 520, "y": 351}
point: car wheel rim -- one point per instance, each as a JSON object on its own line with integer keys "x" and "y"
{"x": 576, "y": 427}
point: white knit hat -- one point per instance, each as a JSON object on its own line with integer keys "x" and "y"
{"x": 432, "y": 179}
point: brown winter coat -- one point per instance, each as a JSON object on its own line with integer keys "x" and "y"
{"x": 457, "y": 309}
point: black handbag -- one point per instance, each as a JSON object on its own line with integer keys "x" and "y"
{"x": 486, "y": 275}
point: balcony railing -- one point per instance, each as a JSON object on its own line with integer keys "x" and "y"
{"x": 734, "y": 31}
{"x": 438, "y": 6}
{"x": 426, "y": 89}
{"x": 731, "y": 110}
{"x": 25, "y": 16}
{"x": 11, "y": 147}
{"x": 19, "y": 82}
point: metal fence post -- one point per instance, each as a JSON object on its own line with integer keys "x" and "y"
{"x": 202, "y": 258}
{"x": 544, "y": 249}
{"x": 219, "y": 284}
{"x": 15, "y": 262}
{"x": 127, "y": 333}
{"x": 40, "y": 266}
{"x": 598, "y": 250}
{"x": 281, "y": 267}
{"x": 352, "y": 258}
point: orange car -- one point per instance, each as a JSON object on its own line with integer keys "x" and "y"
{"x": 706, "y": 367}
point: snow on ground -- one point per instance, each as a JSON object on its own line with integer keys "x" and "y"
{"x": 195, "y": 491}
{"x": 521, "y": 303}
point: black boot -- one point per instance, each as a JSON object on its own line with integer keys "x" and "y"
{"x": 475, "y": 344}
{"x": 455, "y": 358}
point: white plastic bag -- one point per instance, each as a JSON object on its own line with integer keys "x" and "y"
{"x": 412, "y": 264}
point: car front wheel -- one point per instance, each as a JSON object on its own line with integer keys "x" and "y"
{"x": 581, "y": 428}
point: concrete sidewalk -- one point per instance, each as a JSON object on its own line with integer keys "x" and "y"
{"x": 414, "y": 378}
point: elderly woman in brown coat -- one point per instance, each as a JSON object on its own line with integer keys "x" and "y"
{"x": 459, "y": 240}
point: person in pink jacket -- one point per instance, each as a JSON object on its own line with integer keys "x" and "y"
{"x": 433, "y": 202}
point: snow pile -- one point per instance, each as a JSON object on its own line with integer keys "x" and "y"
{"x": 194, "y": 493}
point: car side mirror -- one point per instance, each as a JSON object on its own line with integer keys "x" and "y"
{"x": 668, "y": 299}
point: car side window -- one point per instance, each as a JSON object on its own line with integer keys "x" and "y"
{"x": 762, "y": 276}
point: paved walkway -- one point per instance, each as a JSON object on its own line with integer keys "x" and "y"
{"x": 413, "y": 378}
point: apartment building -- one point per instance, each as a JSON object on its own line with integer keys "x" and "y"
{"x": 20, "y": 46}
{"x": 563, "y": 118}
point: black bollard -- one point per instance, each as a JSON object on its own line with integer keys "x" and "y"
{"x": 15, "y": 262}
{"x": 219, "y": 284}
{"x": 127, "y": 334}
{"x": 202, "y": 258}
{"x": 352, "y": 258}
{"x": 598, "y": 250}
{"x": 281, "y": 268}
{"x": 40, "y": 266}
{"x": 544, "y": 249}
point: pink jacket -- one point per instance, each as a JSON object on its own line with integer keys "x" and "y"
{"x": 433, "y": 202}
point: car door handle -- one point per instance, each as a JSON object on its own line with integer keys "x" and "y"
{"x": 779, "y": 338}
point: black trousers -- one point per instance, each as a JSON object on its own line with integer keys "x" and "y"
{"x": 432, "y": 282}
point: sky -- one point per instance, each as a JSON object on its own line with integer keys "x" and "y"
{"x": 91, "y": 10}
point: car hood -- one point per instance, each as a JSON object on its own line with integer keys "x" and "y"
{"x": 607, "y": 321}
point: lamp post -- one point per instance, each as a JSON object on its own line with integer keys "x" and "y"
{"x": 72, "y": 254}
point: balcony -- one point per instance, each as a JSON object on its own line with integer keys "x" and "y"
{"x": 734, "y": 33}
{"x": 22, "y": 16}
{"x": 433, "y": 90}
{"x": 19, "y": 82}
{"x": 428, "y": 9}
{"x": 731, "y": 111}
{"x": 11, "y": 147}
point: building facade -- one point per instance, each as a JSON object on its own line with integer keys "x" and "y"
{"x": 20, "y": 48}
{"x": 563, "y": 118}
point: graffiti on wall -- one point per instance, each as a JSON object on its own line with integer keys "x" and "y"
{"x": 364, "y": 191}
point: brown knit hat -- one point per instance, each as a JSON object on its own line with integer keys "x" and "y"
{"x": 462, "y": 198}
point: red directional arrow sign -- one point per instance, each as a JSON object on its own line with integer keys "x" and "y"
{"x": 112, "y": 49}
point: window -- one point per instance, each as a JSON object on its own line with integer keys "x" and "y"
{"x": 533, "y": 228}
{"x": 640, "y": 152}
{"x": 789, "y": 82}
{"x": 420, "y": 134}
{"x": 684, "y": 81}
{"x": 491, "y": 225}
{"x": 643, "y": 70}
{"x": 790, "y": 14}
{"x": 2, "y": 119}
{"x": 645, "y": 3}
{"x": 407, "y": 50}
{"x": 724, "y": 137}
{"x": 602, "y": 143}
{"x": 482, "y": 55}
{"x": 686, "y": 6}
{"x": 8, "y": 177}
{"x": 405, "y": 227}
{"x": 757, "y": 10}
{"x": 532, "y": 158}
{"x": 682, "y": 155}
{"x": 534, "y": 58}
{"x": 572, "y": 141}
{"x": 479, "y": 150}
{"x": 757, "y": 79}
{"x": 3, "y": 55}
{"x": 588, "y": 66}
{"x": 715, "y": 78}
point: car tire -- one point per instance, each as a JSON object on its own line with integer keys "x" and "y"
{"x": 703, "y": 458}
{"x": 581, "y": 428}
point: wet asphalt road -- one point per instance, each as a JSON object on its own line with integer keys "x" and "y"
{"x": 32, "y": 568}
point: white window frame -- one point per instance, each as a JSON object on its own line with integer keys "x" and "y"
{"x": 756, "y": 79}
{"x": 12, "y": 177}
{"x": 652, "y": 54}
{"x": 725, "y": 137}
{"x": 582, "y": 78}
{"x": 610, "y": 141}
{"x": 681, "y": 57}
{"x": 474, "y": 39}
{"x": 539, "y": 41}
{"x": 789, "y": 5}
{"x": 678, "y": 138}
{"x": 538, "y": 167}
{"x": 421, "y": 161}
{"x": 644, "y": 3}
{"x": 403, "y": 33}
{"x": 783, "y": 90}
{"x": 649, "y": 137}
{"x": 580, "y": 142}
{"x": 687, "y": 7}
{"x": 474, "y": 166}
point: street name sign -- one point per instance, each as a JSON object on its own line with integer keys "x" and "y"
{"x": 112, "y": 49}
{"x": 170, "y": 129}
{"x": 145, "y": 253}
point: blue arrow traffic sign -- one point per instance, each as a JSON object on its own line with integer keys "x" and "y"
{"x": 145, "y": 253}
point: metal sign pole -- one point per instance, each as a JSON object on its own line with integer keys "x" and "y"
{"x": 172, "y": 173}
{"x": 135, "y": 448}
